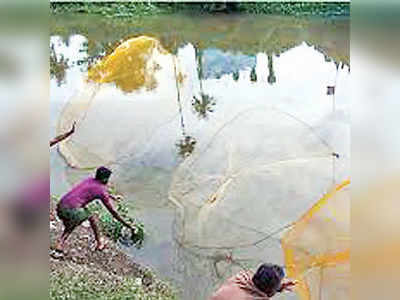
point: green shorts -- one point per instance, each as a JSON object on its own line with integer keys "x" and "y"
{"x": 73, "y": 217}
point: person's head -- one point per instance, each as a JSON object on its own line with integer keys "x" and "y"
{"x": 268, "y": 278}
{"x": 103, "y": 174}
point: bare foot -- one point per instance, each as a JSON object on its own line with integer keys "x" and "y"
{"x": 59, "y": 248}
{"x": 56, "y": 254}
{"x": 100, "y": 245}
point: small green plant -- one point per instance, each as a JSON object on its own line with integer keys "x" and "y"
{"x": 114, "y": 229}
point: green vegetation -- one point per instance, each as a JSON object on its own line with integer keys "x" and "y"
{"x": 132, "y": 9}
{"x": 111, "y": 9}
{"x": 72, "y": 281}
{"x": 112, "y": 228}
{"x": 236, "y": 33}
{"x": 115, "y": 230}
{"x": 297, "y": 8}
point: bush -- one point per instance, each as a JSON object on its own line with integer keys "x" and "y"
{"x": 132, "y": 9}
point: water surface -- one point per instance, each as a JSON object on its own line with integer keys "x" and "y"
{"x": 233, "y": 140}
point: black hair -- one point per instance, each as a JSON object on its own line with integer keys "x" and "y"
{"x": 103, "y": 174}
{"x": 268, "y": 278}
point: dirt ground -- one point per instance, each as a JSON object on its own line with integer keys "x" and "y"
{"x": 110, "y": 265}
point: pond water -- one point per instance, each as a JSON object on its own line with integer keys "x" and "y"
{"x": 220, "y": 130}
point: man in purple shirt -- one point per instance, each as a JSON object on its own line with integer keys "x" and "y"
{"x": 73, "y": 207}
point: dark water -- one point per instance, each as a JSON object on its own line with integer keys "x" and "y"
{"x": 234, "y": 68}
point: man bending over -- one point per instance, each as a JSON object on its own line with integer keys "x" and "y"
{"x": 73, "y": 211}
{"x": 264, "y": 284}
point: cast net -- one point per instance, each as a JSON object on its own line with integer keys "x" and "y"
{"x": 127, "y": 113}
{"x": 258, "y": 173}
{"x": 127, "y": 98}
{"x": 317, "y": 248}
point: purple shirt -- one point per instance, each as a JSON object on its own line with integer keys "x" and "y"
{"x": 85, "y": 192}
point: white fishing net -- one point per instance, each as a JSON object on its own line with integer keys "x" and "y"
{"x": 127, "y": 114}
{"x": 256, "y": 175}
{"x": 248, "y": 170}
{"x": 256, "y": 171}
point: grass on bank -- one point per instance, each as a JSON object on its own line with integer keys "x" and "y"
{"x": 79, "y": 282}
{"x": 135, "y": 9}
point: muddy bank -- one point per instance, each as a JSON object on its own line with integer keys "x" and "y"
{"x": 83, "y": 273}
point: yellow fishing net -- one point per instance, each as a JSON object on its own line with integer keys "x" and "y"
{"x": 127, "y": 98}
{"x": 317, "y": 248}
{"x": 131, "y": 65}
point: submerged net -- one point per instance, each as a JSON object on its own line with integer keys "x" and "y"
{"x": 317, "y": 248}
{"x": 256, "y": 172}
{"x": 256, "y": 175}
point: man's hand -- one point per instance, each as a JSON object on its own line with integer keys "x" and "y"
{"x": 117, "y": 198}
{"x": 73, "y": 127}
{"x": 132, "y": 227}
{"x": 287, "y": 286}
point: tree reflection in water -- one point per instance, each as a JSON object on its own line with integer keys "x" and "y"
{"x": 186, "y": 146}
{"x": 271, "y": 74}
{"x": 253, "y": 75}
{"x": 187, "y": 143}
{"x": 203, "y": 105}
{"x": 58, "y": 66}
{"x": 235, "y": 75}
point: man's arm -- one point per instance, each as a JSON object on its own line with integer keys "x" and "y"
{"x": 108, "y": 204}
{"x": 61, "y": 137}
{"x": 287, "y": 286}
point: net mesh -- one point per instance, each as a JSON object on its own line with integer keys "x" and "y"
{"x": 127, "y": 117}
{"x": 254, "y": 177}
{"x": 115, "y": 108}
{"x": 130, "y": 66}
{"x": 317, "y": 248}
{"x": 254, "y": 170}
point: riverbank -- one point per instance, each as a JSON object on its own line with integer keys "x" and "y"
{"x": 137, "y": 9}
{"x": 83, "y": 273}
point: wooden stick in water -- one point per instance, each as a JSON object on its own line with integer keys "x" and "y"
{"x": 63, "y": 136}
